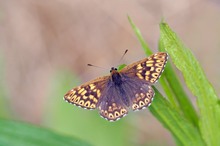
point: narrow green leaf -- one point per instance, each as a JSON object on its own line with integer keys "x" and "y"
{"x": 168, "y": 90}
{"x": 182, "y": 129}
{"x": 140, "y": 38}
{"x": 21, "y": 134}
{"x": 183, "y": 100}
{"x": 197, "y": 82}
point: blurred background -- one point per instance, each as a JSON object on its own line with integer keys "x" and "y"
{"x": 45, "y": 47}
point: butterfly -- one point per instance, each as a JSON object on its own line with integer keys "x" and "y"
{"x": 128, "y": 89}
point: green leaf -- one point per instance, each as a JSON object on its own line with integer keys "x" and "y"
{"x": 182, "y": 129}
{"x": 181, "y": 98}
{"x": 198, "y": 84}
{"x": 120, "y": 67}
{"x": 22, "y": 134}
{"x": 140, "y": 38}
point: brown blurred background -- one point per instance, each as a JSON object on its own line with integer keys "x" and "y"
{"x": 39, "y": 38}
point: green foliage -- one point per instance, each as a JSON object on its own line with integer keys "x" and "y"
{"x": 179, "y": 94}
{"x": 196, "y": 81}
{"x": 177, "y": 114}
{"x": 21, "y": 134}
{"x": 184, "y": 131}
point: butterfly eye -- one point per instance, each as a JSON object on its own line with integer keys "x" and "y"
{"x": 113, "y": 68}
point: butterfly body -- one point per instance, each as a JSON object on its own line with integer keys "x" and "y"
{"x": 115, "y": 77}
{"x": 115, "y": 94}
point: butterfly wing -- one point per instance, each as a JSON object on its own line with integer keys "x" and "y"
{"x": 87, "y": 95}
{"x": 138, "y": 92}
{"x": 111, "y": 106}
{"x": 138, "y": 78}
{"x": 142, "y": 97}
{"x": 148, "y": 69}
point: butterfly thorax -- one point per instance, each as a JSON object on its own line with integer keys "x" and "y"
{"x": 115, "y": 76}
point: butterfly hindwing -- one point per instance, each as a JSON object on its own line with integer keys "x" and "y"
{"x": 111, "y": 106}
{"x": 112, "y": 111}
{"x": 137, "y": 93}
{"x": 87, "y": 95}
{"x": 142, "y": 97}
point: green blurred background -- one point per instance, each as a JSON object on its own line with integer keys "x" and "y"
{"x": 45, "y": 46}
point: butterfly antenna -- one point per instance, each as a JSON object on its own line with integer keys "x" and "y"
{"x": 123, "y": 55}
{"x": 96, "y": 66}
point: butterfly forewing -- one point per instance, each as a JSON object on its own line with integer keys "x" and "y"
{"x": 148, "y": 69}
{"x": 87, "y": 95}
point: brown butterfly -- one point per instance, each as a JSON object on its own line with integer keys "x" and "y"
{"x": 113, "y": 95}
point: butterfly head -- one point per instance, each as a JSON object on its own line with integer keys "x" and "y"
{"x": 113, "y": 70}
